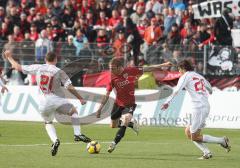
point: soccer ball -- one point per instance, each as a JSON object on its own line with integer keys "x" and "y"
{"x": 93, "y": 147}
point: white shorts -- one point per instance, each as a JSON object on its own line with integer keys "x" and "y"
{"x": 198, "y": 118}
{"x": 51, "y": 105}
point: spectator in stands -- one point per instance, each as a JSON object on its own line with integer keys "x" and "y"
{"x": 154, "y": 5}
{"x": 23, "y": 8}
{"x": 41, "y": 7}
{"x": 102, "y": 6}
{"x": 129, "y": 7}
{"x": 174, "y": 37}
{"x": 187, "y": 31}
{"x": 68, "y": 50}
{"x": 124, "y": 13}
{"x": 14, "y": 48}
{"x": 165, "y": 4}
{"x": 102, "y": 39}
{"x": 203, "y": 34}
{"x": 80, "y": 41}
{"x": 33, "y": 32}
{"x": 151, "y": 36}
{"x": 166, "y": 53}
{"x": 102, "y": 22}
{"x": 48, "y": 16}
{"x": 58, "y": 32}
{"x": 178, "y": 5}
{"x": 39, "y": 22}
{"x": 133, "y": 37}
{"x": 67, "y": 19}
{"x": 27, "y": 50}
{"x": 114, "y": 20}
{"x": 211, "y": 38}
{"x": 169, "y": 20}
{"x": 57, "y": 10}
{"x": 223, "y": 28}
{"x": 14, "y": 16}
{"x": 139, "y": 14}
{"x": 24, "y": 24}
{"x": 119, "y": 43}
{"x": 17, "y": 34}
{"x": 32, "y": 13}
{"x": 43, "y": 45}
{"x": 4, "y": 31}
{"x": 143, "y": 24}
{"x": 85, "y": 7}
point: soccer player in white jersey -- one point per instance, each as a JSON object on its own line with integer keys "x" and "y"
{"x": 197, "y": 86}
{"x": 49, "y": 80}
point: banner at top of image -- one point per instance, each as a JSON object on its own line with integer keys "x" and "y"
{"x": 211, "y": 9}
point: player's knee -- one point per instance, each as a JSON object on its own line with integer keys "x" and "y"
{"x": 112, "y": 125}
{"x": 194, "y": 137}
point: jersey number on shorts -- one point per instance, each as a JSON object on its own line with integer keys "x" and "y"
{"x": 199, "y": 85}
{"x": 46, "y": 84}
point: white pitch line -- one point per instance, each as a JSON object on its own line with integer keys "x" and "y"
{"x": 70, "y": 143}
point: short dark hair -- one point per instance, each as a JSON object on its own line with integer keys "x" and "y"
{"x": 118, "y": 62}
{"x": 186, "y": 65}
{"x": 50, "y": 56}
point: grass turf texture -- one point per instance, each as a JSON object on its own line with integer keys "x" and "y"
{"x": 154, "y": 147}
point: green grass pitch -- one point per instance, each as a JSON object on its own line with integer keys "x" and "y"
{"x": 26, "y": 145}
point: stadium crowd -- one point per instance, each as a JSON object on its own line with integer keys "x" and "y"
{"x": 143, "y": 31}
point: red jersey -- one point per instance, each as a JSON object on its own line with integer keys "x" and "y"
{"x": 124, "y": 85}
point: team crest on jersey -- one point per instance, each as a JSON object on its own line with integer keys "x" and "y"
{"x": 125, "y": 75}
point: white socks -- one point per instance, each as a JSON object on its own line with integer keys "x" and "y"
{"x": 212, "y": 139}
{"x": 202, "y": 147}
{"x": 76, "y": 124}
{"x": 51, "y": 132}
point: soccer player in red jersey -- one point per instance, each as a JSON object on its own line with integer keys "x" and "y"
{"x": 123, "y": 81}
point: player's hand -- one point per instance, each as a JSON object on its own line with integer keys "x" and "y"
{"x": 6, "y": 54}
{"x": 168, "y": 64}
{"x": 164, "y": 106}
{"x": 82, "y": 101}
{"x": 98, "y": 114}
{"x": 4, "y": 89}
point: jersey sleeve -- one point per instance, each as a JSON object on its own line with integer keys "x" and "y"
{"x": 30, "y": 69}
{"x": 136, "y": 71}
{"x": 208, "y": 86}
{"x": 109, "y": 87}
{"x": 65, "y": 80}
{"x": 182, "y": 82}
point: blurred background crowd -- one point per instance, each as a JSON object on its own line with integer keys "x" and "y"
{"x": 142, "y": 31}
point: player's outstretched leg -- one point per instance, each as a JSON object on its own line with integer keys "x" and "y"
{"x": 55, "y": 146}
{"x": 223, "y": 141}
{"x": 120, "y": 134}
{"x": 53, "y": 136}
{"x": 126, "y": 118}
{"x": 78, "y": 136}
{"x": 200, "y": 145}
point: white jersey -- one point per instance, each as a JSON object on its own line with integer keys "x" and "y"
{"x": 49, "y": 78}
{"x": 197, "y": 87}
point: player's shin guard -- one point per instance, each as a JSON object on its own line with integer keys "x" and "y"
{"x": 76, "y": 124}
{"x": 120, "y": 134}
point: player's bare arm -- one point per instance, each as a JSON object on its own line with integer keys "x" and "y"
{"x": 157, "y": 67}
{"x": 103, "y": 102}
{"x": 73, "y": 91}
{"x": 8, "y": 55}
